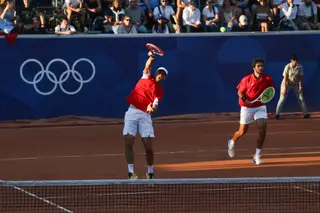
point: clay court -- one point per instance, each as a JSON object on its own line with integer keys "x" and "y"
{"x": 191, "y": 146}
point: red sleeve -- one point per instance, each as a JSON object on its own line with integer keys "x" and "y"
{"x": 159, "y": 94}
{"x": 270, "y": 81}
{"x": 242, "y": 86}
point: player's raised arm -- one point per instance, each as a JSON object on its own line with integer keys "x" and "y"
{"x": 147, "y": 68}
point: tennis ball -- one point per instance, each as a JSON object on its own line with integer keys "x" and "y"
{"x": 223, "y": 29}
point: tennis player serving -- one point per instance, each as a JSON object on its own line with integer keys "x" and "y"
{"x": 252, "y": 87}
{"x": 143, "y": 101}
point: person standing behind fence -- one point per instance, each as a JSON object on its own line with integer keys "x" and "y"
{"x": 292, "y": 80}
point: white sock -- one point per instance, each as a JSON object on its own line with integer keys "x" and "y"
{"x": 150, "y": 169}
{"x": 258, "y": 152}
{"x": 231, "y": 143}
{"x": 130, "y": 168}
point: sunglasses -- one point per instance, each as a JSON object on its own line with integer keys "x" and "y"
{"x": 128, "y": 19}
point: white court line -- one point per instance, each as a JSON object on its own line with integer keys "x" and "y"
{"x": 156, "y": 153}
{"x": 306, "y": 190}
{"x": 40, "y": 198}
{"x": 166, "y": 192}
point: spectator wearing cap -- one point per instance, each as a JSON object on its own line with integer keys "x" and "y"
{"x": 160, "y": 25}
{"x": 167, "y": 12}
{"x": 242, "y": 25}
{"x": 137, "y": 16}
{"x": 288, "y": 15}
{"x": 107, "y": 27}
{"x": 292, "y": 80}
{"x": 210, "y": 16}
{"x": 126, "y": 27}
{"x": 64, "y": 28}
{"x": 191, "y": 18}
{"x": 307, "y": 16}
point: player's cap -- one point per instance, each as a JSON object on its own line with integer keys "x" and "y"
{"x": 162, "y": 69}
{"x": 243, "y": 20}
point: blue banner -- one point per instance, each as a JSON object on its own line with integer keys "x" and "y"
{"x": 91, "y": 76}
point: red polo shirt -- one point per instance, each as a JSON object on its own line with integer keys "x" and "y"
{"x": 252, "y": 88}
{"x": 145, "y": 92}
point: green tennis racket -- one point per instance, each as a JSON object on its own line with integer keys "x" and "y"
{"x": 266, "y": 95}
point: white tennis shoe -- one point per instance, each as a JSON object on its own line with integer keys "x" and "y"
{"x": 230, "y": 149}
{"x": 257, "y": 160}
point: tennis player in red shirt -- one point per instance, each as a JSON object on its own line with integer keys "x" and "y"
{"x": 143, "y": 101}
{"x": 250, "y": 88}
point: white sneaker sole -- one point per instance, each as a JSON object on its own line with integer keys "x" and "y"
{"x": 230, "y": 150}
{"x": 257, "y": 161}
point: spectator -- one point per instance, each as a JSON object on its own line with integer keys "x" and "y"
{"x": 107, "y": 27}
{"x": 94, "y": 10}
{"x": 275, "y": 5}
{"x": 191, "y": 18}
{"x": 115, "y": 14}
{"x": 36, "y": 27}
{"x": 210, "y": 16}
{"x": 244, "y": 6}
{"x": 126, "y": 27}
{"x": 7, "y": 17}
{"x": 160, "y": 25}
{"x": 72, "y": 7}
{"x": 137, "y": 16}
{"x": 288, "y": 15}
{"x": 181, "y": 5}
{"x": 64, "y": 28}
{"x": 167, "y": 11}
{"x": 228, "y": 15}
{"x": 307, "y": 14}
{"x": 262, "y": 17}
{"x": 292, "y": 80}
{"x": 242, "y": 25}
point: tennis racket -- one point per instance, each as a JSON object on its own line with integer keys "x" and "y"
{"x": 266, "y": 95}
{"x": 155, "y": 49}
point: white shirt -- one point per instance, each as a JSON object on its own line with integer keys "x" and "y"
{"x": 166, "y": 12}
{"x": 305, "y": 11}
{"x": 191, "y": 17}
{"x": 288, "y": 13}
{"x": 74, "y": 3}
{"x": 292, "y": 73}
{"x": 68, "y": 28}
{"x": 210, "y": 14}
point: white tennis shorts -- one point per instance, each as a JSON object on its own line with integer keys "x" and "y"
{"x": 248, "y": 115}
{"x": 136, "y": 120}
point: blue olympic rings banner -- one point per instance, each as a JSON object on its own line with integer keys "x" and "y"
{"x": 91, "y": 76}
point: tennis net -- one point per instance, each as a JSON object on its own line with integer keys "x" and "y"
{"x": 241, "y": 195}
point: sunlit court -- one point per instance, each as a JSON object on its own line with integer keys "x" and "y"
{"x": 83, "y": 169}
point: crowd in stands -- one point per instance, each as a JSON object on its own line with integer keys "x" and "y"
{"x": 156, "y": 16}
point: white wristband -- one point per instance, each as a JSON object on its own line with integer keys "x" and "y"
{"x": 156, "y": 101}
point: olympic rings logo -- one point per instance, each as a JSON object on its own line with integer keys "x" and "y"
{"x": 57, "y": 80}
